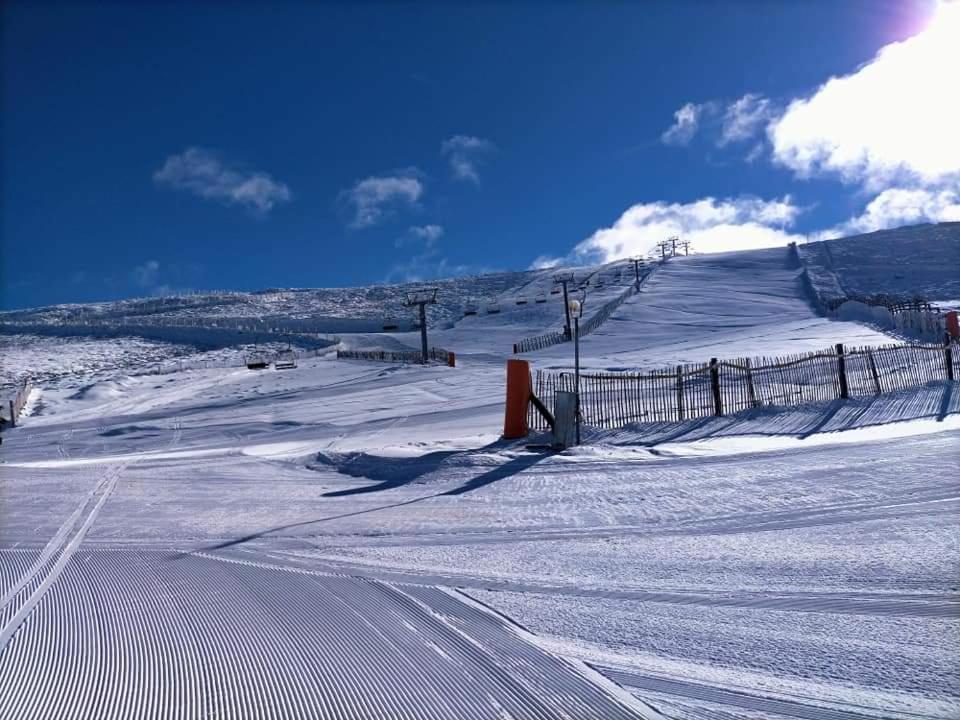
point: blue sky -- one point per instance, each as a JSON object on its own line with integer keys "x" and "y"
{"x": 157, "y": 147}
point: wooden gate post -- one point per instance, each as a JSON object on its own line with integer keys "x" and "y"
{"x": 715, "y": 385}
{"x": 948, "y": 356}
{"x": 842, "y": 372}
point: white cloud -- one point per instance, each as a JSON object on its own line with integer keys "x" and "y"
{"x": 686, "y": 120}
{"x": 428, "y": 233}
{"x": 755, "y": 153}
{"x": 466, "y": 153}
{"x": 734, "y": 122}
{"x": 145, "y": 275}
{"x": 427, "y": 266}
{"x": 205, "y": 174}
{"x": 545, "y": 262}
{"x": 709, "y": 224}
{"x": 896, "y": 207}
{"x": 375, "y": 198}
{"x": 892, "y": 122}
{"x": 743, "y": 118}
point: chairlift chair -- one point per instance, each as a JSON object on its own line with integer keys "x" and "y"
{"x": 540, "y": 298}
{"x": 257, "y": 361}
{"x": 521, "y": 300}
{"x": 390, "y": 325}
{"x": 469, "y": 309}
{"x": 285, "y": 360}
{"x": 493, "y": 309}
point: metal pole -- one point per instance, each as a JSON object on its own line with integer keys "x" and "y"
{"x": 423, "y": 331}
{"x": 566, "y": 305}
{"x": 636, "y": 271}
{"x": 576, "y": 368}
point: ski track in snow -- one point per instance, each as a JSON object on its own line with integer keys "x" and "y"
{"x": 146, "y": 634}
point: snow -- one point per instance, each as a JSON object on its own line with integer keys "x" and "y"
{"x": 920, "y": 260}
{"x": 352, "y": 539}
{"x": 724, "y": 305}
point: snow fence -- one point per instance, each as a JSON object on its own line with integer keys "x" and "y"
{"x": 396, "y": 356}
{"x": 723, "y": 387}
{"x": 10, "y": 409}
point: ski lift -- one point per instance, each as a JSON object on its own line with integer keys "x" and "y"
{"x": 521, "y": 300}
{"x": 470, "y": 309}
{"x": 285, "y": 360}
{"x": 493, "y": 309}
{"x": 390, "y": 325}
{"x": 555, "y": 291}
{"x": 540, "y": 298}
{"x": 257, "y": 361}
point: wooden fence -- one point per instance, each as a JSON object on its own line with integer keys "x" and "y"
{"x": 606, "y": 310}
{"x": 395, "y": 356}
{"x": 592, "y": 323}
{"x": 893, "y": 303}
{"x": 684, "y": 392}
{"x": 539, "y": 342}
{"x": 14, "y": 406}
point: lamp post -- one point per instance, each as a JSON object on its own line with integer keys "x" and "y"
{"x": 575, "y": 309}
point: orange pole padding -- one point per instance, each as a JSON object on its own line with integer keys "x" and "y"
{"x": 451, "y": 359}
{"x": 953, "y": 323}
{"x": 518, "y": 398}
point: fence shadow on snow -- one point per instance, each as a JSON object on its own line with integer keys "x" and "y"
{"x": 933, "y": 402}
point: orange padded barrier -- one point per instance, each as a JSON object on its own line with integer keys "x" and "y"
{"x": 518, "y": 398}
{"x": 953, "y": 324}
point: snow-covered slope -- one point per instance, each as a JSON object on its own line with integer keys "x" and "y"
{"x": 725, "y": 305}
{"x": 347, "y": 539}
{"x": 93, "y": 340}
{"x": 918, "y": 260}
{"x": 276, "y": 537}
{"x": 329, "y": 309}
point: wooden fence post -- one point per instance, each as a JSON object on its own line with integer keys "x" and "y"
{"x": 715, "y": 384}
{"x": 873, "y": 371}
{"x": 680, "y": 391}
{"x": 948, "y": 356}
{"x": 842, "y": 372}
{"x": 752, "y": 394}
